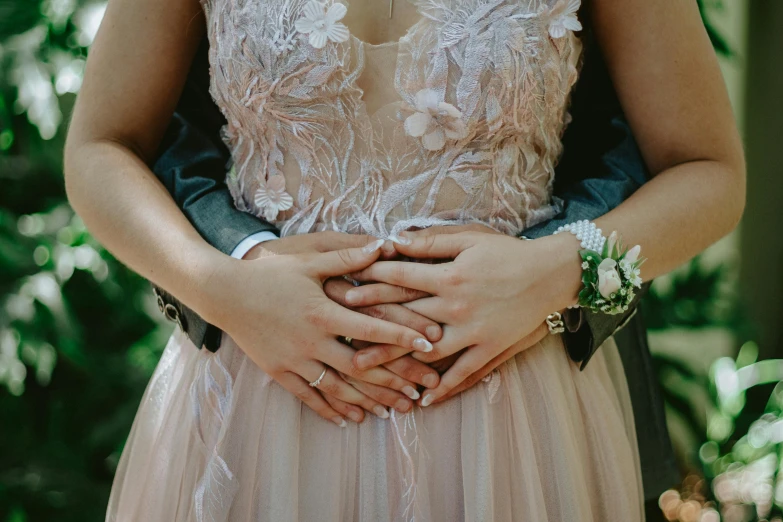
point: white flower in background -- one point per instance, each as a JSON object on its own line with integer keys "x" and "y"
{"x": 563, "y": 18}
{"x": 434, "y": 121}
{"x": 272, "y": 198}
{"x": 608, "y": 279}
{"x": 322, "y": 24}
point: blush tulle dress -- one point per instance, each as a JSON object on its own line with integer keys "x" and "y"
{"x": 457, "y": 122}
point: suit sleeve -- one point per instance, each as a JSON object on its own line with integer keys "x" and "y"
{"x": 192, "y": 164}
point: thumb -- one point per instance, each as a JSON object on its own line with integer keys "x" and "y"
{"x": 348, "y": 260}
{"x": 435, "y": 246}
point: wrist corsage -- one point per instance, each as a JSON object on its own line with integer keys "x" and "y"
{"x": 610, "y": 272}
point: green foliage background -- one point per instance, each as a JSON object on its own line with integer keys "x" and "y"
{"x": 80, "y": 334}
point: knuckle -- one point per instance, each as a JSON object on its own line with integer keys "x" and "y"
{"x": 384, "y": 354}
{"x": 408, "y": 369}
{"x": 409, "y": 294}
{"x": 387, "y": 380}
{"x": 459, "y": 309}
{"x": 386, "y": 397}
{"x": 367, "y": 331}
{"x": 470, "y": 380}
{"x": 378, "y": 311}
{"x": 353, "y": 373}
{"x": 329, "y": 388}
{"x": 454, "y": 277}
{"x": 345, "y": 256}
{"x": 398, "y": 272}
{"x": 462, "y": 373}
{"x": 316, "y": 314}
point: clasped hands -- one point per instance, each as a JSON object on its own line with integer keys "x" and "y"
{"x": 483, "y": 302}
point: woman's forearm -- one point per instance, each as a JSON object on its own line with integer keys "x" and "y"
{"x": 127, "y": 209}
{"x": 673, "y": 217}
{"x": 679, "y": 213}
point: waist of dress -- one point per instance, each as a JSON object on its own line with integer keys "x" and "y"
{"x": 391, "y": 229}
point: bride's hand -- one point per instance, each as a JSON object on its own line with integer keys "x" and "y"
{"x": 388, "y": 310}
{"x": 276, "y": 310}
{"x": 497, "y": 291}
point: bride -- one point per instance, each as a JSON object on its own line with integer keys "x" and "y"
{"x": 345, "y": 123}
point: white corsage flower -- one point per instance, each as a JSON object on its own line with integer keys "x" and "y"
{"x": 322, "y": 24}
{"x": 608, "y": 279}
{"x": 633, "y": 254}
{"x": 434, "y": 121}
{"x": 563, "y": 18}
{"x": 632, "y": 273}
{"x": 272, "y": 198}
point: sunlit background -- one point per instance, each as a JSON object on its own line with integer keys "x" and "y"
{"x": 80, "y": 335}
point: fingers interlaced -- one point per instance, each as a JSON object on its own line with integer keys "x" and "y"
{"x": 348, "y": 323}
{"x": 475, "y": 364}
{"x": 437, "y": 246}
{"x": 417, "y": 276}
{"x": 381, "y": 293}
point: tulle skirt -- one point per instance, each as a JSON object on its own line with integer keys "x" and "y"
{"x": 216, "y": 439}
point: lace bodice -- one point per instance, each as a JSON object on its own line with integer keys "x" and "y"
{"x": 457, "y": 122}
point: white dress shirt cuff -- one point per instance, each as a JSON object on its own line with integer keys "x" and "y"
{"x": 249, "y": 242}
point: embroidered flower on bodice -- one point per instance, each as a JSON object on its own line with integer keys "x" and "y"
{"x": 434, "y": 121}
{"x": 283, "y": 43}
{"x": 322, "y": 23}
{"x": 459, "y": 121}
{"x": 271, "y": 197}
{"x": 564, "y": 18}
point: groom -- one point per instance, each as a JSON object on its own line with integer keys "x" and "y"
{"x": 601, "y": 167}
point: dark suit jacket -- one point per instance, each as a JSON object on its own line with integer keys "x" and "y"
{"x": 600, "y": 168}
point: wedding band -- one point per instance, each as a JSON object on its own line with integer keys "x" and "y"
{"x": 348, "y": 341}
{"x": 316, "y": 382}
{"x": 555, "y": 323}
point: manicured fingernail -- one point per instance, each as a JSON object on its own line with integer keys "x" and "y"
{"x": 400, "y": 240}
{"x": 339, "y": 421}
{"x": 381, "y": 412}
{"x": 423, "y": 345}
{"x": 430, "y": 380}
{"x": 355, "y": 416}
{"x": 411, "y": 392}
{"x": 402, "y": 405}
{"x": 351, "y": 297}
{"x": 363, "y": 361}
{"x": 432, "y": 331}
{"x": 372, "y": 247}
{"x": 427, "y": 400}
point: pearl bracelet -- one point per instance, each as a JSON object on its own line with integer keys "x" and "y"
{"x": 587, "y": 232}
{"x": 610, "y": 272}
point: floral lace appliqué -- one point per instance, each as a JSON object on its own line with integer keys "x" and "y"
{"x": 459, "y": 121}
{"x": 271, "y": 197}
{"x": 564, "y": 18}
{"x": 434, "y": 121}
{"x": 322, "y": 23}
